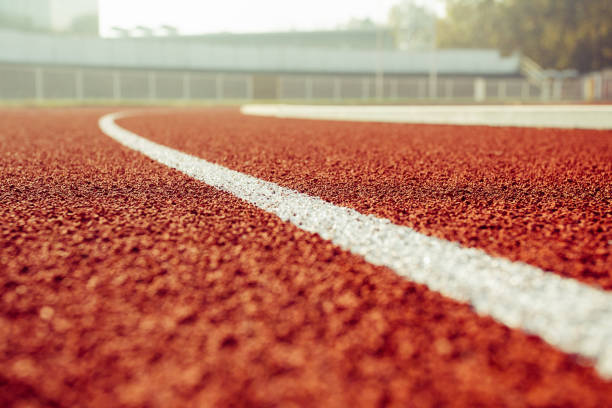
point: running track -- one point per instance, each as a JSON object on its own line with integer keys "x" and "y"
{"x": 125, "y": 282}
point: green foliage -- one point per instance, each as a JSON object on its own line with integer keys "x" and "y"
{"x": 413, "y": 25}
{"x": 467, "y": 22}
{"x": 557, "y": 34}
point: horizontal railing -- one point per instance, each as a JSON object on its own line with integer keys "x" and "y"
{"x": 30, "y": 82}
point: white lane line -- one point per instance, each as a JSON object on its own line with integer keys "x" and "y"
{"x": 560, "y": 116}
{"x": 572, "y": 316}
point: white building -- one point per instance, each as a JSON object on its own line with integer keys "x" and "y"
{"x": 55, "y": 15}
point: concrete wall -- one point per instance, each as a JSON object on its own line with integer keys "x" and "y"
{"x": 29, "y": 48}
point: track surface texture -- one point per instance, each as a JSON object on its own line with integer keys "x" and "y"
{"x": 541, "y": 196}
{"x": 126, "y": 283}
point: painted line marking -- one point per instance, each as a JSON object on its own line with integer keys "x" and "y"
{"x": 561, "y": 116}
{"x": 570, "y": 315}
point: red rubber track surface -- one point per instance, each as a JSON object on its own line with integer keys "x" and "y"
{"x": 126, "y": 283}
{"x": 541, "y": 196}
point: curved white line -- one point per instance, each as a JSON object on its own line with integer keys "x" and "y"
{"x": 570, "y": 315}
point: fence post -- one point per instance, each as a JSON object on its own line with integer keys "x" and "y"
{"x": 186, "y": 86}
{"x": 249, "y": 87}
{"x": 38, "y": 84}
{"x": 78, "y": 84}
{"x": 116, "y": 85}
{"x": 558, "y": 88}
{"x": 152, "y": 85}
{"x": 480, "y": 89}
{"x": 545, "y": 90}
{"x": 598, "y": 85}
{"x": 433, "y": 86}
{"x": 219, "y": 86}
{"x": 525, "y": 90}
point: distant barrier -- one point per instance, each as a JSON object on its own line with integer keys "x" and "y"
{"x": 598, "y": 85}
{"x": 52, "y": 83}
{"x": 29, "y": 82}
{"x": 368, "y": 88}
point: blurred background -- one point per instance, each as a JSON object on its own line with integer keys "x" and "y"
{"x": 345, "y": 51}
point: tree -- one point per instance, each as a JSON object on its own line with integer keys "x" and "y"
{"x": 471, "y": 24}
{"x": 557, "y": 34}
{"x": 414, "y": 26}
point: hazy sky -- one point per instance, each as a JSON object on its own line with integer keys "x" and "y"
{"x": 198, "y": 16}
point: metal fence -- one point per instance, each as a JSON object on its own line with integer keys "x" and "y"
{"x": 27, "y": 82}
{"x": 51, "y": 83}
{"x": 598, "y": 85}
{"x": 365, "y": 88}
